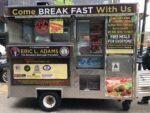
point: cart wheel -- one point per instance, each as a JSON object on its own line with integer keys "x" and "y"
{"x": 4, "y": 77}
{"x": 49, "y": 101}
{"x": 126, "y": 105}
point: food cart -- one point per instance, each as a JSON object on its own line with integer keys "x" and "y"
{"x": 75, "y": 51}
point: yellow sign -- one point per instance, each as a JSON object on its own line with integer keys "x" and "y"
{"x": 56, "y": 26}
{"x": 40, "y": 71}
{"x": 119, "y": 51}
{"x": 17, "y": 12}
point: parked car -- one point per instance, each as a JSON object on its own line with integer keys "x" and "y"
{"x": 3, "y": 69}
{"x": 2, "y": 50}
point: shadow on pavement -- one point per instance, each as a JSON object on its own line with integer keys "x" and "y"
{"x": 73, "y": 104}
{"x": 26, "y": 103}
{"x": 109, "y": 105}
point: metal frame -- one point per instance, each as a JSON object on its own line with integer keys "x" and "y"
{"x": 50, "y": 89}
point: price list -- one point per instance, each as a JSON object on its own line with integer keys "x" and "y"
{"x": 120, "y": 32}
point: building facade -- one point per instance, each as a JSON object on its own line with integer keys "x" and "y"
{"x": 3, "y": 33}
{"x": 59, "y": 2}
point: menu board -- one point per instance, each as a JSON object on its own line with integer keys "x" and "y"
{"x": 120, "y": 34}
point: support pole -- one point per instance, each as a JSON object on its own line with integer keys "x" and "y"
{"x": 143, "y": 32}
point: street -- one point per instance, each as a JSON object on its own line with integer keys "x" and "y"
{"x": 30, "y": 105}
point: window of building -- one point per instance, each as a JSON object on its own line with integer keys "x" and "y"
{"x": 1, "y": 27}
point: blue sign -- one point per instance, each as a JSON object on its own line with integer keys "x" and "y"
{"x": 90, "y": 62}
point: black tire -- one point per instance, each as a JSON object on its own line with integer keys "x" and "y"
{"x": 49, "y": 101}
{"x": 126, "y": 105}
{"x": 4, "y": 77}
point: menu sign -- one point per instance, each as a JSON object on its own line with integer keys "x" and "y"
{"x": 56, "y": 26}
{"x": 118, "y": 86}
{"x": 121, "y": 25}
{"x": 39, "y": 51}
{"x": 120, "y": 34}
{"x": 120, "y": 41}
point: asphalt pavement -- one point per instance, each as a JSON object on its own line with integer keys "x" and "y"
{"x": 30, "y": 105}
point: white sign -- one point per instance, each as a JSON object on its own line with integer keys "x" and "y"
{"x": 115, "y": 66}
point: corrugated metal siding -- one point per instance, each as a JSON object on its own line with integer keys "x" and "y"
{"x": 1, "y": 8}
{"x": 76, "y": 2}
{"x": 144, "y": 83}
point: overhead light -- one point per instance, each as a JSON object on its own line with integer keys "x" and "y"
{"x": 43, "y": 3}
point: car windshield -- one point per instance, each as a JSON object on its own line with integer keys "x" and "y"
{"x": 2, "y": 47}
{"x": 2, "y": 50}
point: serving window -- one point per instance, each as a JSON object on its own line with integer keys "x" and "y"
{"x": 90, "y": 43}
{"x": 40, "y": 30}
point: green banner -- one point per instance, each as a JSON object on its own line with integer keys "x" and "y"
{"x": 63, "y": 2}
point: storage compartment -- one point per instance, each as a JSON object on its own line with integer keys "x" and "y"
{"x": 119, "y": 65}
{"x": 89, "y": 82}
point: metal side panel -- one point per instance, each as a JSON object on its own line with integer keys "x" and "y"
{"x": 22, "y": 91}
{"x": 75, "y": 91}
{"x": 125, "y": 64}
{"x": 143, "y": 84}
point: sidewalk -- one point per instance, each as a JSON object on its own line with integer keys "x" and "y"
{"x": 3, "y": 87}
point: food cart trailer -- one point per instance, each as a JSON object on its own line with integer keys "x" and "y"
{"x": 75, "y": 51}
{"x": 143, "y": 84}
